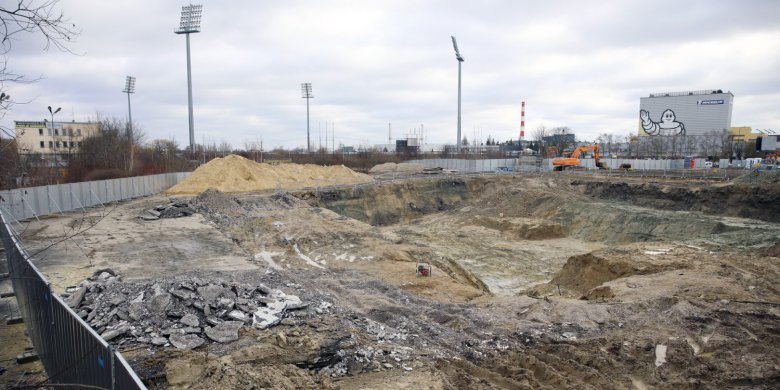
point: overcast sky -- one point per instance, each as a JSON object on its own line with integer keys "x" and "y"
{"x": 581, "y": 64}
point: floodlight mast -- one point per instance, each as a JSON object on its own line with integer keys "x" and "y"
{"x": 190, "y": 23}
{"x": 130, "y": 88}
{"x": 306, "y": 94}
{"x": 460, "y": 60}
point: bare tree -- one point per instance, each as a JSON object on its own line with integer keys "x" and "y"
{"x": 37, "y": 17}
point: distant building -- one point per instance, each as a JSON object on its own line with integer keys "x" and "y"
{"x": 744, "y": 134}
{"x": 34, "y": 137}
{"x": 690, "y": 113}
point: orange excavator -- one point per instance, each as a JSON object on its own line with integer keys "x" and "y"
{"x": 561, "y": 163}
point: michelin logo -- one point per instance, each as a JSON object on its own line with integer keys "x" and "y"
{"x": 710, "y": 102}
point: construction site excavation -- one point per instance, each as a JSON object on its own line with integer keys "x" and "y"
{"x": 248, "y": 275}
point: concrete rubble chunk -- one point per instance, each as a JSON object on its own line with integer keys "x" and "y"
{"x": 153, "y": 212}
{"x": 113, "y": 333}
{"x": 181, "y": 294}
{"x": 213, "y": 321}
{"x": 212, "y": 292}
{"x": 139, "y": 298}
{"x": 185, "y": 341}
{"x": 26, "y": 357}
{"x": 160, "y": 302}
{"x": 224, "y": 332}
{"x": 265, "y": 317}
{"x": 77, "y": 297}
{"x": 135, "y": 311}
{"x": 190, "y": 320}
{"x": 238, "y": 316}
{"x": 159, "y": 341}
{"x": 149, "y": 218}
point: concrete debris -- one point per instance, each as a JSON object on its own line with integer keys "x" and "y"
{"x": 190, "y": 320}
{"x": 186, "y": 341}
{"x": 224, "y": 332}
{"x": 188, "y": 312}
{"x": 174, "y": 209}
{"x": 26, "y": 357}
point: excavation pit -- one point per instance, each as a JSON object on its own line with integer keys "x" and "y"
{"x": 534, "y": 278}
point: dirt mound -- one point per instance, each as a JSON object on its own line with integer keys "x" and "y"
{"x": 582, "y": 275}
{"x": 237, "y": 174}
{"x": 393, "y": 167}
{"x": 757, "y": 177}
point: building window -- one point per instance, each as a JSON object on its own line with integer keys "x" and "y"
{"x": 79, "y": 143}
{"x": 72, "y": 143}
{"x": 49, "y": 130}
{"x": 40, "y": 131}
{"x": 42, "y": 145}
{"x": 57, "y": 144}
{"x": 78, "y": 132}
{"x": 56, "y": 131}
{"x": 51, "y": 144}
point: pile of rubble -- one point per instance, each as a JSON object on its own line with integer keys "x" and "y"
{"x": 183, "y": 313}
{"x": 174, "y": 209}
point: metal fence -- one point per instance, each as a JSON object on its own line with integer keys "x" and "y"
{"x": 72, "y": 353}
{"x": 536, "y": 164}
{"x": 24, "y": 203}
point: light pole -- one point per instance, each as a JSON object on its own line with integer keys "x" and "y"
{"x": 460, "y": 60}
{"x": 54, "y": 143}
{"x": 130, "y": 88}
{"x": 306, "y": 94}
{"x": 190, "y": 23}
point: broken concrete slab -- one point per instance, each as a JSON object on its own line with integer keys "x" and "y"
{"x": 185, "y": 341}
{"x": 26, "y": 357}
{"x": 113, "y": 333}
{"x": 190, "y": 320}
{"x": 238, "y": 316}
{"x": 265, "y": 317}
{"x": 212, "y": 292}
{"x": 160, "y": 302}
{"x": 224, "y": 332}
{"x": 159, "y": 341}
{"x": 77, "y": 297}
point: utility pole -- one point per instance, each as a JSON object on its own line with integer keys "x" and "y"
{"x": 306, "y": 94}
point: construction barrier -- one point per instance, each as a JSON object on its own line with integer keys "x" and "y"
{"x": 29, "y": 202}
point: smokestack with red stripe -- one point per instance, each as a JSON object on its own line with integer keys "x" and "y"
{"x": 522, "y": 120}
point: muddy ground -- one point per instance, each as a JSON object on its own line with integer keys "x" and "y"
{"x": 548, "y": 281}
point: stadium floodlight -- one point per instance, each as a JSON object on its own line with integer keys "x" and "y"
{"x": 460, "y": 60}
{"x": 190, "y": 23}
{"x": 306, "y": 94}
{"x": 130, "y": 88}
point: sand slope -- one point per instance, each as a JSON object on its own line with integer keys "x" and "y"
{"x": 237, "y": 174}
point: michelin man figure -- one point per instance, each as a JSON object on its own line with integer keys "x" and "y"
{"x": 667, "y": 126}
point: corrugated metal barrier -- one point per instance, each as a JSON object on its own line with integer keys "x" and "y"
{"x": 24, "y": 203}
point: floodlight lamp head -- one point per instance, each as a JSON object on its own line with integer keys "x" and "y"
{"x": 129, "y": 85}
{"x": 306, "y": 91}
{"x": 457, "y": 52}
{"x": 190, "y": 19}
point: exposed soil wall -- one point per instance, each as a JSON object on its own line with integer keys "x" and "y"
{"x": 737, "y": 200}
{"x": 388, "y": 204}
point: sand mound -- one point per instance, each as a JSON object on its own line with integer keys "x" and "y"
{"x": 237, "y": 174}
{"x": 393, "y": 167}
